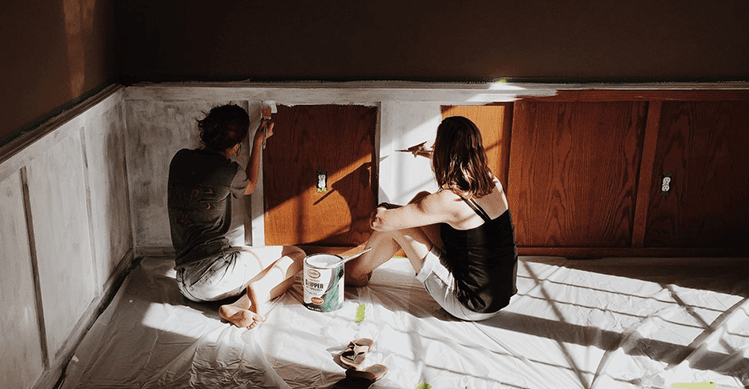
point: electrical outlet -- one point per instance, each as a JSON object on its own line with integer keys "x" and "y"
{"x": 665, "y": 183}
{"x": 322, "y": 180}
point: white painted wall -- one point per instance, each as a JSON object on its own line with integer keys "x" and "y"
{"x": 156, "y": 130}
{"x": 66, "y": 235}
{"x": 108, "y": 189}
{"x": 67, "y": 274}
{"x": 404, "y": 124}
{"x": 21, "y": 361}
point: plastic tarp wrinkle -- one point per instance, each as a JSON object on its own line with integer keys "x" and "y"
{"x": 602, "y": 324}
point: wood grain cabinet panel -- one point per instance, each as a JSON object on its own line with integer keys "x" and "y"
{"x": 573, "y": 172}
{"x": 705, "y": 148}
{"x": 495, "y": 123}
{"x": 338, "y": 139}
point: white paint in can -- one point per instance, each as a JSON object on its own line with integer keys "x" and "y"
{"x": 323, "y": 282}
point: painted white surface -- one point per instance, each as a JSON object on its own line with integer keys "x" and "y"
{"x": 21, "y": 358}
{"x": 75, "y": 174}
{"x": 108, "y": 190}
{"x": 57, "y": 196}
{"x": 156, "y": 130}
{"x": 373, "y": 91}
{"x": 406, "y": 124}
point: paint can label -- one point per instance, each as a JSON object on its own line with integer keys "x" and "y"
{"x": 323, "y": 282}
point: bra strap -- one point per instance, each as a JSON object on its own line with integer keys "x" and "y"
{"x": 477, "y": 208}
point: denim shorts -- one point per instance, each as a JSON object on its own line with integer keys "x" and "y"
{"x": 217, "y": 278}
{"x": 440, "y": 284}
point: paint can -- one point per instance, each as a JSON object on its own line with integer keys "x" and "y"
{"x": 323, "y": 282}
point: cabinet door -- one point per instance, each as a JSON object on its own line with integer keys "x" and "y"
{"x": 307, "y": 140}
{"x": 494, "y": 121}
{"x": 573, "y": 172}
{"x": 704, "y": 146}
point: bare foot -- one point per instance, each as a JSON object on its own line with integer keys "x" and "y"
{"x": 240, "y": 317}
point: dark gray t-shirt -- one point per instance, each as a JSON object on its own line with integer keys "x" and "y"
{"x": 200, "y": 183}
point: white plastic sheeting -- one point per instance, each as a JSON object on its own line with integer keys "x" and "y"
{"x": 608, "y": 323}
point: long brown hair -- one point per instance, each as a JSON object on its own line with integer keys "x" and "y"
{"x": 459, "y": 159}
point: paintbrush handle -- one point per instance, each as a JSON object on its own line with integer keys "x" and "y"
{"x": 350, "y": 257}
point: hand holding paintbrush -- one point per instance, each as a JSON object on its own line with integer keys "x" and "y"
{"x": 267, "y": 108}
{"x": 267, "y": 127}
{"x": 420, "y": 149}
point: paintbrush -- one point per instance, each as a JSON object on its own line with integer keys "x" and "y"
{"x": 419, "y": 149}
{"x": 267, "y": 108}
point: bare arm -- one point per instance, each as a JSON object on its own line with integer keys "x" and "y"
{"x": 253, "y": 166}
{"x": 422, "y": 149}
{"x": 439, "y": 207}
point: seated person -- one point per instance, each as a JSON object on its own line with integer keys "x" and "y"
{"x": 460, "y": 240}
{"x": 200, "y": 183}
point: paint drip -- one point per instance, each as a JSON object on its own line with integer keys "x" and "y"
{"x": 323, "y": 282}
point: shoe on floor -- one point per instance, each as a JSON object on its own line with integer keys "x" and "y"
{"x": 355, "y": 352}
{"x": 361, "y": 379}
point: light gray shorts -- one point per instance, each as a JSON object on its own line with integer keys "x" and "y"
{"x": 440, "y": 284}
{"x": 217, "y": 278}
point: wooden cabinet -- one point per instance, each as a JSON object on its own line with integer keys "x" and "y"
{"x": 704, "y": 146}
{"x": 495, "y": 122}
{"x": 573, "y": 172}
{"x": 308, "y": 139}
{"x": 584, "y": 171}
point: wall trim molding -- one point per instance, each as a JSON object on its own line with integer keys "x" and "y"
{"x": 375, "y": 91}
{"x": 28, "y": 138}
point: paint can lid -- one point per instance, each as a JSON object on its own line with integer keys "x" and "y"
{"x": 323, "y": 260}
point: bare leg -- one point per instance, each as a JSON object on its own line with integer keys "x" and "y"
{"x": 273, "y": 281}
{"x": 415, "y": 243}
{"x": 359, "y": 270}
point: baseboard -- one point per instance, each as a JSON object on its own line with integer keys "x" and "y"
{"x": 609, "y": 252}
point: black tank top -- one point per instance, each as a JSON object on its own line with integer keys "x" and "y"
{"x": 483, "y": 261}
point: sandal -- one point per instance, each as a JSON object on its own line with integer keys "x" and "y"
{"x": 361, "y": 379}
{"x": 372, "y": 373}
{"x": 353, "y": 383}
{"x": 355, "y": 353}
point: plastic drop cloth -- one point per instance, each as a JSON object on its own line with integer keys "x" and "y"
{"x": 608, "y": 323}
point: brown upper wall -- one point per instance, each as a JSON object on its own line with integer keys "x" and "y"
{"x": 54, "y": 52}
{"x": 428, "y": 39}
{"x": 61, "y": 50}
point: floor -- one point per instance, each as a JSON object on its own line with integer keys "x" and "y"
{"x": 606, "y": 323}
